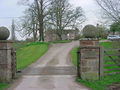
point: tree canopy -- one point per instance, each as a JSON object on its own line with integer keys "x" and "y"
{"x": 115, "y": 27}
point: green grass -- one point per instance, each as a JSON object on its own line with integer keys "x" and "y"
{"x": 21, "y": 44}
{"x": 101, "y": 84}
{"x": 106, "y": 44}
{"x": 3, "y": 86}
{"x": 73, "y": 54}
{"x": 106, "y": 80}
{"x": 61, "y": 41}
{"x": 29, "y": 53}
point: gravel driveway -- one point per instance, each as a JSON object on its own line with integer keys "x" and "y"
{"x": 53, "y": 71}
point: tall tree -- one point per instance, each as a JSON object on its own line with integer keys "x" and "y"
{"x": 42, "y": 11}
{"x": 55, "y": 14}
{"x": 39, "y": 6}
{"x": 111, "y": 8}
{"x": 34, "y": 19}
{"x": 62, "y": 16}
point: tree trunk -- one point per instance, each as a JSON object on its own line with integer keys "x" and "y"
{"x": 34, "y": 33}
{"x": 39, "y": 19}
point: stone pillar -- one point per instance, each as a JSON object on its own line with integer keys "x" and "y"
{"x": 90, "y": 60}
{"x": 5, "y": 61}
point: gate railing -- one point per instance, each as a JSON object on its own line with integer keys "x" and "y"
{"x": 112, "y": 61}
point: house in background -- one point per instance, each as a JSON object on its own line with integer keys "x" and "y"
{"x": 68, "y": 34}
{"x": 50, "y": 35}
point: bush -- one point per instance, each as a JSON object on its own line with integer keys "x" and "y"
{"x": 89, "y": 31}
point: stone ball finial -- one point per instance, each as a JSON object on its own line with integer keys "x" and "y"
{"x": 4, "y": 33}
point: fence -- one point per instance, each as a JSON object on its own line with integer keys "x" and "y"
{"x": 112, "y": 61}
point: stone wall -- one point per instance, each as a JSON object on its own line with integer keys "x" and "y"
{"x": 90, "y": 60}
{"x": 5, "y": 61}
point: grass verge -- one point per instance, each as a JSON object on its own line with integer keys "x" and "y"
{"x": 100, "y": 84}
{"x": 106, "y": 80}
{"x": 3, "y": 86}
{"x": 30, "y": 53}
{"x": 73, "y": 54}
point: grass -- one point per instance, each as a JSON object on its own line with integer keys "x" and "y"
{"x": 21, "y": 44}
{"x": 3, "y": 86}
{"x": 27, "y": 53}
{"x": 106, "y": 80}
{"x": 73, "y": 54}
{"x": 61, "y": 41}
{"x": 101, "y": 84}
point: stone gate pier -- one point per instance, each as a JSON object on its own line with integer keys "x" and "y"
{"x": 7, "y": 58}
{"x": 90, "y": 60}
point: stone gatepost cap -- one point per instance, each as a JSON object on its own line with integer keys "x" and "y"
{"x": 4, "y": 33}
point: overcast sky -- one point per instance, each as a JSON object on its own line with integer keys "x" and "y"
{"x": 91, "y": 10}
{"x": 10, "y": 8}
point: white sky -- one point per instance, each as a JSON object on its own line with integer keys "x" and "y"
{"x": 10, "y": 8}
{"x": 90, "y": 8}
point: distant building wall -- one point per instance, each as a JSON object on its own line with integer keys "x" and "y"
{"x": 50, "y": 35}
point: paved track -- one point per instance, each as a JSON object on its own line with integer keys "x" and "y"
{"x": 53, "y": 71}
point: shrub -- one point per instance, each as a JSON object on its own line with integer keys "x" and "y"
{"x": 90, "y": 31}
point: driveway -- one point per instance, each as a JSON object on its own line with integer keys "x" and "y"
{"x": 53, "y": 71}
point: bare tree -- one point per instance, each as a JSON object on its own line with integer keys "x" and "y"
{"x": 56, "y": 14}
{"x": 34, "y": 19}
{"x": 28, "y": 24}
{"x": 63, "y": 16}
{"x": 111, "y": 8}
{"x": 42, "y": 11}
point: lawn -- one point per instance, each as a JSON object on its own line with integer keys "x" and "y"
{"x": 27, "y": 53}
{"x": 106, "y": 80}
{"x": 3, "y": 86}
